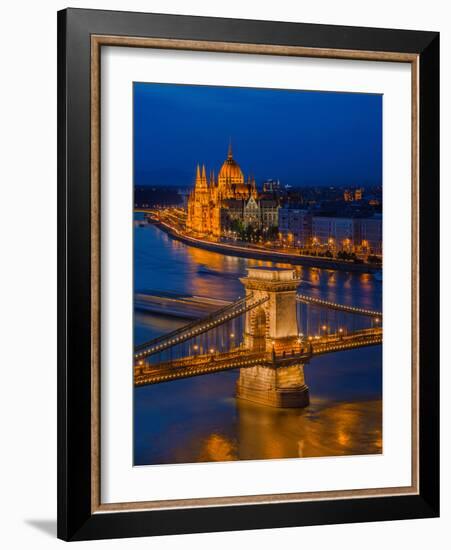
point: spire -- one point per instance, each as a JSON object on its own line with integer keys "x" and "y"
{"x": 229, "y": 152}
{"x": 204, "y": 175}
{"x": 197, "y": 173}
{"x": 253, "y": 186}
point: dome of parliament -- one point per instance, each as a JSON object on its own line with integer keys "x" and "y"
{"x": 230, "y": 170}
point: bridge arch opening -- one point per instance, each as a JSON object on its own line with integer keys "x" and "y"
{"x": 259, "y": 330}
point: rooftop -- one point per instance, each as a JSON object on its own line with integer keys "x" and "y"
{"x": 271, "y": 273}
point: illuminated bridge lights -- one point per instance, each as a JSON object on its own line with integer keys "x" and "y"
{"x": 351, "y": 309}
{"x": 202, "y": 327}
{"x": 246, "y": 305}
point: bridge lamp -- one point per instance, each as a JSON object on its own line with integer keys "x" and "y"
{"x": 376, "y": 320}
{"x": 232, "y": 335}
{"x": 195, "y": 347}
{"x": 340, "y": 330}
{"x": 324, "y": 327}
{"x": 212, "y": 350}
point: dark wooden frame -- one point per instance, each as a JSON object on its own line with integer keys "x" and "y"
{"x": 79, "y": 514}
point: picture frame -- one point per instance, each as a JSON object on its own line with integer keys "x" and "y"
{"x": 81, "y": 36}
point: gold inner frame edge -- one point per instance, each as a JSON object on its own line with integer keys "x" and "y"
{"x": 97, "y": 41}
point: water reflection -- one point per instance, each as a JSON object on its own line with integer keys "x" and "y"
{"x": 192, "y": 421}
{"x": 217, "y": 448}
{"x": 332, "y": 430}
{"x": 164, "y": 264}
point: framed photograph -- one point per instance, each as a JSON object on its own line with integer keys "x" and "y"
{"x": 248, "y": 274}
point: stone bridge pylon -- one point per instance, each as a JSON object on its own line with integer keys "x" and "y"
{"x": 273, "y": 327}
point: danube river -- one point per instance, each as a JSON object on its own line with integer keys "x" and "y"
{"x": 199, "y": 419}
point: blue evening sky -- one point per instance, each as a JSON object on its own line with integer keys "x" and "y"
{"x": 300, "y": 137}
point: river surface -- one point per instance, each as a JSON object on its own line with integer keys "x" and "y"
{"x": 199, "y": 419}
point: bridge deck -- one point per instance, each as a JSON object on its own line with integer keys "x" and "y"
{"x": 242, "y": 358}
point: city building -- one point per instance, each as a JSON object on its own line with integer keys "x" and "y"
{"x": 359, "y": 235}
{"x": 271, "y": 186}
{"x": 215, "y": 205}
{"x": 353, "y": 195}
{"x": 295, "y": 225}
{"x": 368, "y": 235}
{"x": 251, "y": 214}
{"x": 269, "y": 213}
{"x": 333, "y": 232}
{"x": 202, "y": 214}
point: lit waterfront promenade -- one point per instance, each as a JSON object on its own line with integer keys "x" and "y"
{"x": 170, "y": 224}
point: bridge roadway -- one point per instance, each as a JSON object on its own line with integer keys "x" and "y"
{"x": 197, "y": 365}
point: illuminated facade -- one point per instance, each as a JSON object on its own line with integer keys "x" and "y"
{"x": 361, "y": 235}
{"x": 213, "y": 201}
{"x": 296, "y": 224}
{"x": 350, "y": 234}
{"x": 353, "y": 195}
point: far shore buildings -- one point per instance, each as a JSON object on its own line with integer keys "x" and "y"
{"x": 216, "y": 205}
{"x": 351, "y": 234}
{"x": 223, "y": 205}
{"x": 351, "y": 195}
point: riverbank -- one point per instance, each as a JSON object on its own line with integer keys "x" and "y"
{"x": 267, "y": 255}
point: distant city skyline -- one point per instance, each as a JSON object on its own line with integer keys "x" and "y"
{"x": 302, "y": 138}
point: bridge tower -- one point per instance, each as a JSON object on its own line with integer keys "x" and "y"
{"x": 272, "y": 328}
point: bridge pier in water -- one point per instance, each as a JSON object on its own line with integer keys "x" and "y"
{"x": 272, "y": 327}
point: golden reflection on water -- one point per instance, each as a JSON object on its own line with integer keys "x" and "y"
{"x": 266, "y": 433}
{"x": 217, "y": 448}
{"x": 205, "y": 257}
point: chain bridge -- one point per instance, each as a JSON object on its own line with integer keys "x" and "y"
{"x": 269, "y": 334}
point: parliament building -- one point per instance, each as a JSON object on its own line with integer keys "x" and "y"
{"x": 215, "y": 203}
